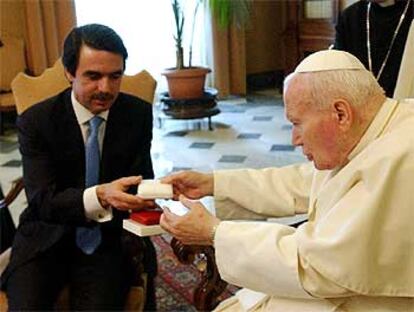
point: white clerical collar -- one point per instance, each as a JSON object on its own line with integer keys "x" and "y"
{"x": 83, "y": 115}
{"x": 376, "y": 127}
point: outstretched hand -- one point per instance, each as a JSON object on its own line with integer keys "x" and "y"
{"x": 114, "y": 194}
{"x": 191, "y": 184}
{"x": 194, "y": 228}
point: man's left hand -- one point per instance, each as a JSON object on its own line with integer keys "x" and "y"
{"x": 194, "y": 228}
{"x": 114, "y": 195}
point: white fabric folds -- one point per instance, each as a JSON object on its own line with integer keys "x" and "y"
{"x": 153, "y": 189}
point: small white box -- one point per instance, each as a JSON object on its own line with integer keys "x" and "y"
{"x": 142, "y": 229}
{"x": 153, "y": 189}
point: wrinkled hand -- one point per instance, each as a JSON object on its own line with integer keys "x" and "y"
{"x": 114, "y": 195}
{"x": 194, "y": 228}
{"x": 191, "y": 184}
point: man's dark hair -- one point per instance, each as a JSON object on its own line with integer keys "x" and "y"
{"x": 95, "y": 36}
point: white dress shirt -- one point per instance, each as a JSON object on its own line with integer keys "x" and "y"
{"x": 93, "y": 209}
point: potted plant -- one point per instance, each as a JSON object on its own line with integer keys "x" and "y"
{"x": 184, "y": 82}
{"x": 187, "y": 82}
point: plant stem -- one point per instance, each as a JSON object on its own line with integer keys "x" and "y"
{"x": 190, "y": 54}
{"x": 179, "y": 26}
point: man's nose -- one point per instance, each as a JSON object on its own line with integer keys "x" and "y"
{"x": 104, "y": 84}
{"x": 296, "y": 139}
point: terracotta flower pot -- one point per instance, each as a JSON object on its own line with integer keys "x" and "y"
{"x": 186, "y": 83}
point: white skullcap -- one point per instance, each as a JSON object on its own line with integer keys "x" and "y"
{"x": 329, "y": 60}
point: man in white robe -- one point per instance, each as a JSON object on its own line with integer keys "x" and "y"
{"x": 356, "y": 251}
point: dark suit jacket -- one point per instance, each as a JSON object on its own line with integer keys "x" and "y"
{"x": 54, "y": 167}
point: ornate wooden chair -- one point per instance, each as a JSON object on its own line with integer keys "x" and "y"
{"x": 28, "y": 91}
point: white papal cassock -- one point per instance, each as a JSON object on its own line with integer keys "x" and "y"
{"x": 356, "y": 252}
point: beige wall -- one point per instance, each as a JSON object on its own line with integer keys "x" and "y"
{"x": 12, "y": 20}
{"x": 263, "y": 37}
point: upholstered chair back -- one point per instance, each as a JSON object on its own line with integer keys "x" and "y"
{"x": 28, "y": 90}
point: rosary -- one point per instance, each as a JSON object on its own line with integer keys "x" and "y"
{"x": 392, "y": 40}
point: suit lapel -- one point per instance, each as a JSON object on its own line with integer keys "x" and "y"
{"x": 70, "y": 143}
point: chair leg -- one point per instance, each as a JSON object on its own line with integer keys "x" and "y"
{"x": 210, "y": 126}
{"x": 211, "y": 285}
{"x": 135, "y": 299}
{"x": 3, "y": 302}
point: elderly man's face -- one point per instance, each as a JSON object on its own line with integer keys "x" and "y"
{"x": 97, "y": 79}
{"x": 315, "y": 130}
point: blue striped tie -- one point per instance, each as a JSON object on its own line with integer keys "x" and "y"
{"x": 89, "y": 238}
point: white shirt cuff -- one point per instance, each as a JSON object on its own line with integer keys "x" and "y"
{"x": 93, "y": 209}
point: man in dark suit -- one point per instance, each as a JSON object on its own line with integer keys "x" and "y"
{"x": 71, "y": 230}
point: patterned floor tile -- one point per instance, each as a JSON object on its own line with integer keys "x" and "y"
{"x": 202, "y": 145}
{"x": 7, "y": 147}
{"x": 12, "y": 163}
{"x": 249, "y": 135}
{"x": 231, "y": 108}
{"x": 232, "y": 159}
{"x": 176, "y": 169}
{"x": 176, "y": 134}
{"x": 262, "y": 118}
{"x": 282, "y": 148}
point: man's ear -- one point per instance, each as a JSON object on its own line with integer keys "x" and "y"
{"x": 68, "y": 76}
{"x": 343, "y": 114}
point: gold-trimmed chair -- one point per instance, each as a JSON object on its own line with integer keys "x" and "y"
{"x": 53, "y": 80}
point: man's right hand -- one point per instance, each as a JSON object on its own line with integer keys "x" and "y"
{"x": 191, "y": 184}
{"x": 114, "y": 195}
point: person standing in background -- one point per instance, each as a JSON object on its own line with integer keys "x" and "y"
{"x": 378, "y": 33}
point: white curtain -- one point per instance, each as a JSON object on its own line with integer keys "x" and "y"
{"x": 147, "y": 29}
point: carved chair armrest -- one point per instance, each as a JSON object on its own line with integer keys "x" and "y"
{"x": 211, "y": 285}
{"x": 17, "y": 187}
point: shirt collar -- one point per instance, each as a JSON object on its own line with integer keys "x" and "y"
{"x": 376, "y": 127}
{"x": 83, "y": 115}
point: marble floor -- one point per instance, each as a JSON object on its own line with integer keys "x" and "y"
{"x": 249, "y": 132}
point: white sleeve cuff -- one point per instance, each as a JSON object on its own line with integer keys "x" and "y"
{"x": 93, "y": 209}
